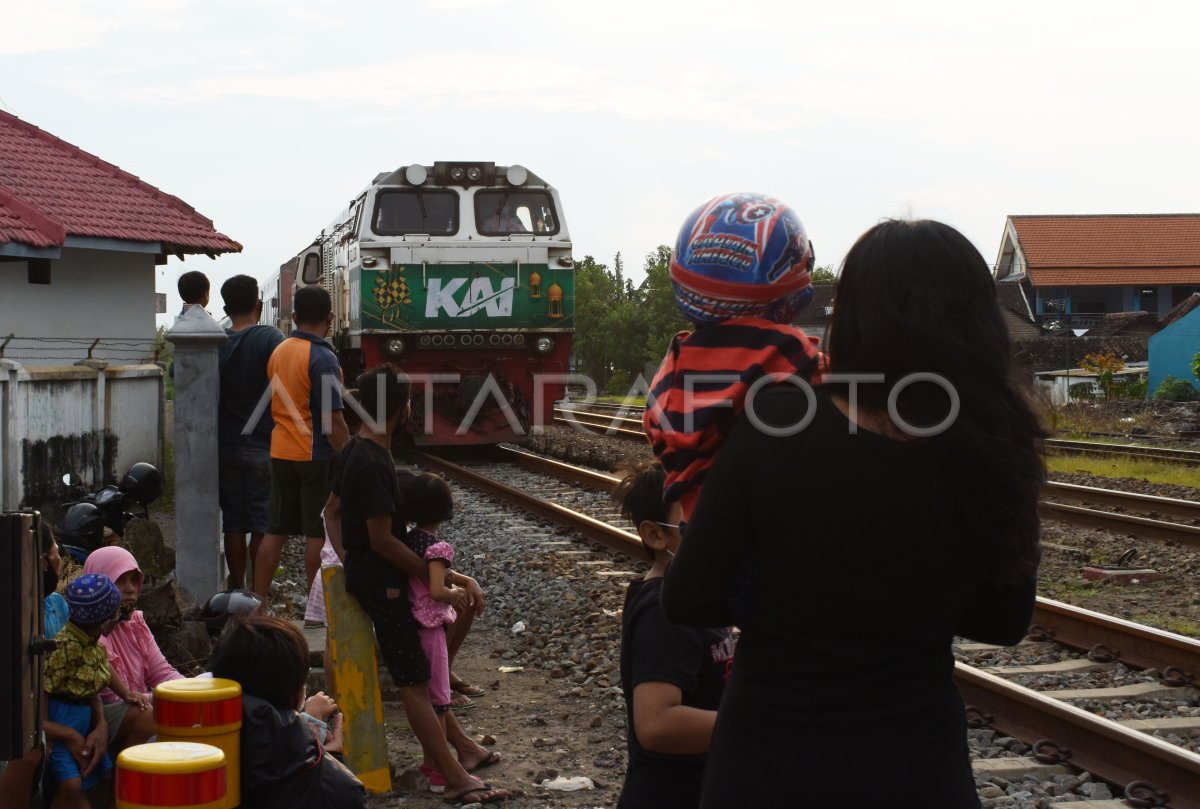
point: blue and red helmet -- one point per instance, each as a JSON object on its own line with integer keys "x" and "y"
{"x": 742, "y": 255}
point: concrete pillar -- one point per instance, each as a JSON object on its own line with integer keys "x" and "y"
{"x": 10, "y": 438}
{"x": 198, "y": 565}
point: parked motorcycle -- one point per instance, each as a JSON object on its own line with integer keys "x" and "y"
{"x": 82, "y": 528}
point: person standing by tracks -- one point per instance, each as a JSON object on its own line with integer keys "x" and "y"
{"x": 244, "y": 456}
{"x": 367, "y": 503}
{"x": 672, "y": 676}
{"x": 882, "y": 517}
{"x": 306, "y": 405}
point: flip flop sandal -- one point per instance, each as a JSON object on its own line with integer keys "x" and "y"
{"x": 462, "y": 703}
{"x": 466, "y": 689}
{"x": 490, "y": 795}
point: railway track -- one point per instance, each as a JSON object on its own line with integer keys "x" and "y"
{"x": 1059, "y": 732}
{"x": 1184, "y": 457}
{"x": 625, "y": 421}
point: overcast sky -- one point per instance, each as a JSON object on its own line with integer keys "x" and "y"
{"x": 267, "y": 116}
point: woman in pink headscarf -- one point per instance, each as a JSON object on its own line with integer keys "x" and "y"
{"x": 132, "y": 651}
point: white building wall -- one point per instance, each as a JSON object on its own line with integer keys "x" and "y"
{"x": 59, "y": 419}
{"x": 92, "y": 294}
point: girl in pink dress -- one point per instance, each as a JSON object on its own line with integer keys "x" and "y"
{"x": 433, "y": 602}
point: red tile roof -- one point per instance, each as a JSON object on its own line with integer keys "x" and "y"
{"x": 50, "y": 189}
{"x": 1106, "y": 250}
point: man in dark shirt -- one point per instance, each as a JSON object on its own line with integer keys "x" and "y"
{"x": 244, "y": 423}
{"x": 368, "y": 509}
{"x": 672, "y": 676}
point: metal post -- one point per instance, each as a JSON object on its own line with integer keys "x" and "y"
{"x": 198, "y": 564}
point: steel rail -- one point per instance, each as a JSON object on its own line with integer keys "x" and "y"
{"x": 601, "y": 421}
{"x": 1115, "y": 753}
{"x": 1186, "y": 457}
{"x": 1153, "y": 504}
{"x": 1135, "y": 645}
{"x": 615, "y": 538}
{"x": 1122, "y": 523}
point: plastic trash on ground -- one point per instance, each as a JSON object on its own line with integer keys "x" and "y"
{"x": 562, "y": 784}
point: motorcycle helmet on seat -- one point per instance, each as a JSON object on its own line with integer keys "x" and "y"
{"x": 223, "y": 605}
{"x": 143, "y": 483}
{"x": 742, "y": 255}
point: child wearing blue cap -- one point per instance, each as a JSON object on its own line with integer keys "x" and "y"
{"x": 76, "y": 672}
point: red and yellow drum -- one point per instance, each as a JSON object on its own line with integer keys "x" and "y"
{"x": 174, "y": 775}
{"x": 206, "y": 710}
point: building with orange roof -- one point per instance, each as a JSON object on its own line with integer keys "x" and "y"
{"x": 80, "y": 240}
{"x": 1074, "y": 270}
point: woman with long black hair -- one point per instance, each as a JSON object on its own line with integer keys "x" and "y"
{"x": 853, "y": 531}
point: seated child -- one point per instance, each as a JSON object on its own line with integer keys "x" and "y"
{"x": 740, "y": 269}
{"x": 76, "y": 672}
{"x": 672, "y": 676}
{"x": 283, "y": 764}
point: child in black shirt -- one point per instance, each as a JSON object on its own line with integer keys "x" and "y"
{"x": 672, "y": 676}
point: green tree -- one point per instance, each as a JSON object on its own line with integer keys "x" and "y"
{"x": 595, "y": 295}
{"x": 1196, "y": 365}
{"x": 824, "y": 275}
{"x": 663, "y": 320}
{"x": 1104, "y": 366}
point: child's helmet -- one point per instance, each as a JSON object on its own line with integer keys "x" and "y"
{"x": 741, "y": 255}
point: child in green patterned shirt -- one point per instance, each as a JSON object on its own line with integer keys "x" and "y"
{"x": 76, "y": 672}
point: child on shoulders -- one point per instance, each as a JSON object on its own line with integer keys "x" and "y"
{"x": 741, "y": 270}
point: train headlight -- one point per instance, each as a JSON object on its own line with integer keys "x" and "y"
{"x": 516, "y": 175}
{"x": 394, "y": 345}
{"x": 457, "y": 173}
{"x": 415, "y": 175}
{"x": 544, "y": 345}
{"x": 474, "y": 173}
{"x": 425, "y": 340}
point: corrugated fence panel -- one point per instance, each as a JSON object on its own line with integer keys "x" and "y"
{"x": 64, "y": 419}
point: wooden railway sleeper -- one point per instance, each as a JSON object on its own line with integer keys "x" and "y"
{"x": 1177, "y": 677}
{"x": 1102, "y": 654}
{"x": 1039, "y": 633}
{"x": 1143, "y": 795}
{"x": 1048, "y": 751}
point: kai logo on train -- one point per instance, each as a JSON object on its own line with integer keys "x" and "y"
{"x": 450, "y": 297}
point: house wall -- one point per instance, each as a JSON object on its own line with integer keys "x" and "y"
{"x": 60, "y": 419}
{"x": 92, "y": 294}
{"x": 1172, "y": 349}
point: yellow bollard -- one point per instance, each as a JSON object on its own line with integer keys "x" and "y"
{"x": 350, "y": 639}
{"x": 179, "y": 775}
{"x": 207, "y": 710}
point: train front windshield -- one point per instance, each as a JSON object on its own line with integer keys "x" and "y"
{"x": 504, "y": 212}
{"x": 403, "y": 211}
